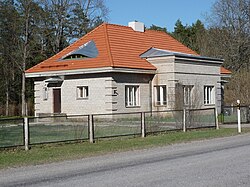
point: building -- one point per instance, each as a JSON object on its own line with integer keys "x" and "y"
{"x": 115, "y": 69}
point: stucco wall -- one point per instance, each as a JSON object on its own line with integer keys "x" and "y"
{"x": 164, "y": 76}
{"x": 199, "y": 74}
{"x": 107, "y": 90}
{"x": 106, "y": 94}
{"x": 123, "y": 79}
{"x": 41, "y": 105}
{"x": 171, "y": 71}
{"x": 98, "y": 101}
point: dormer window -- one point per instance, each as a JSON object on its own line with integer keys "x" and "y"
{"x": 75, "y": 56}
{"x": 87, "y": 50}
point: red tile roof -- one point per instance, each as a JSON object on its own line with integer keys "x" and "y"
{"x": 224, "y": 71}
{"x": 118, "y": 46}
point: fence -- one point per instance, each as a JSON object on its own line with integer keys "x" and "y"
{"x": 229, "y": 114}
{"x": 39, "y": 130}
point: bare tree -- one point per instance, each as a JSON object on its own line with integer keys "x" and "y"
{"x": 229, "y": 33}
{"x": 238, "y": 88}
{"x": 71, "y": 19}
{"x": 188, "y": 97}
{"x": 228, "y": 37}
{"x": 9, "y": 36}
{"x": 29, "y": 11}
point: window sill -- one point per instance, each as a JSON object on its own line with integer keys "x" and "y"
{"x": 212, "y": 104}
{"x": 83, "y": 98}
{"x": 133, "y": 106}
{"x": 160, "y": 105}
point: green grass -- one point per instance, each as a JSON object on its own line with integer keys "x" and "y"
{"x": 68, "y": 151}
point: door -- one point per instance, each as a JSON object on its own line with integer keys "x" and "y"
{"x": 57, "y": 100}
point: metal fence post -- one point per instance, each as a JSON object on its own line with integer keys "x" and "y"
{"x": 143, "y": 129}
{"x": 216, "y": 118}
{"x": 26, "y": 133}
{"x": 91, "y": 128}
{"x": 184, "y": 120}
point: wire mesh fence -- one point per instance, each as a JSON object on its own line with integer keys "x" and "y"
{"x": 58, "y": 129}
{"x": 163, "y": 121}
{"x": 229, "y": 114}
{"x": 200, "y": 118}
{"x": 88, "y": 127}
{"x": 111, "y": 125}
{"x": 11, "y": 132}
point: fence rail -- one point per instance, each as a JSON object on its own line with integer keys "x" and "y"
{"x": 53, "y": 129}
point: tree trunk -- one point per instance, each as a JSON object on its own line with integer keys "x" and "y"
{"x": 23, "y": 95}
{"x": 7, "y": 100}
{"x": 25, "y": 54}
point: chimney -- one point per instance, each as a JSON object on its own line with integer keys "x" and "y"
{"x": 137, "y": 26}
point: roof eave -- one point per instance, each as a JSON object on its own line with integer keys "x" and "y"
{"x": 89, "y": 71}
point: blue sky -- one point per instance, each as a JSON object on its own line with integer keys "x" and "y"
{"x": 163, "y": 13}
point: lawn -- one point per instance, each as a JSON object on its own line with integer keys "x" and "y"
{"x": 40, "y": 154}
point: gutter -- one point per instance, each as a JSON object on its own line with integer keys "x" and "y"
{"x": 89, "y": 71}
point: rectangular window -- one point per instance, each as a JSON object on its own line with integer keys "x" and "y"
{"x": 132, "y": 96}
{"x": 208, "y": 95}
{"x": 160, "y": 95}
{"x": 45, "y": 93}
{"x": 187, "y": 94}
{"x": 82, "y": 92}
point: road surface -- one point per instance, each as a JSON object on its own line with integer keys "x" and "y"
{"x": 217, "y": 162}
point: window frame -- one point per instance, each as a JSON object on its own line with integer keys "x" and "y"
{"x": 160, "y": 96}
{"x": 82, "y": 92}
{"x": 209, "y": 95}
{"x": 132, "y": 96}
{"x": 188, "y": 95}
{"x": 45, "y": 93}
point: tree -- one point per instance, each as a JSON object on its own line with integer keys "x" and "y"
{"x": 191, "y": 36}
{"x": 34, "y": 30}
{"x": 157, "y": 28}
{"x": 229, "y": 29}
{"x": 68, "y": 20}
{"x": 238, "y": 88}
{"x": 9, "y": 32}
{"x": 197, "y": 31}
{"x": 181, "y": 32}
{"x": 228, "y": 37}
{"x": 30, "y": 17}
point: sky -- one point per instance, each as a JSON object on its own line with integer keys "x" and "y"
{"x": 163, "y": 13}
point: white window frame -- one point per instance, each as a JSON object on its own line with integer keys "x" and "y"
{"x": 209, "y": 95}
{"x": 132, "y": 96}
{"x": 45, "y": 93}
{"x": 187, "y": 94}
{"x": 82, "y": 92}
{"x": 160, "y": 95}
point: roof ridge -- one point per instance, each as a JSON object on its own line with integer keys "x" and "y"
{"x": 108, "y": 45}
{"x": 112, "y": 24}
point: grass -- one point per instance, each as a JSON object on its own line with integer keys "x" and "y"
{"x": 40, "y": 154}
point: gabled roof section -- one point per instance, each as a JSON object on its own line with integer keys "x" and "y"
{"x": 117, "y": 47}
{"x": 155, "y": 52}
